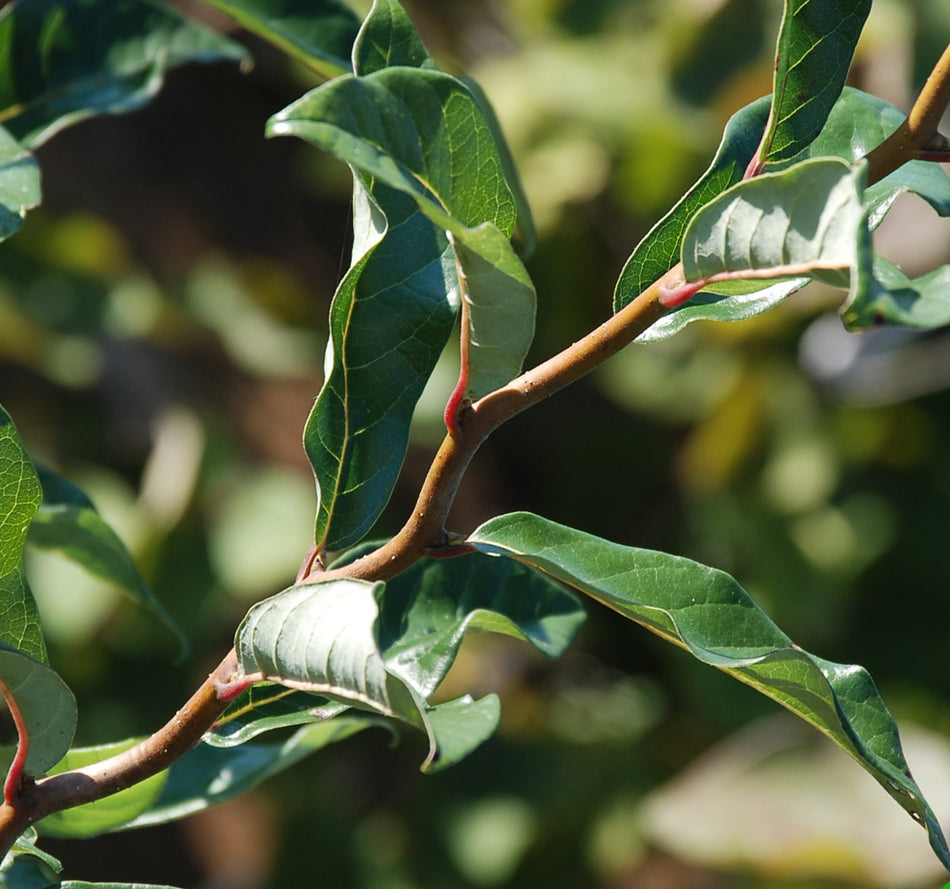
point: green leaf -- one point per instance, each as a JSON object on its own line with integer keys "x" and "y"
{"x": 65, "y": 60}
{"x": 807, "y": 220}
{"x": 426, "y": 610}
{"x": 319, "y": 33}
{"x": 105, "y": 814}
{"x": 660, "y": 250}
{"x": 67, "y": 523}
{"x": 206, "y": 775}
{"x": 47, "y": 708}
{"x": 501, "y": 302}
{"x": 709, "y": 614}
{"x": 857, "y": 123}
{"x": 389, "y": 39}
{"x": 815, "y": 45}
{"x": 82, "y": 884}
{"x": 404, "y": 127}
{"x": 390, "y": 319}
{"x": 459, "y": 727}
{"x": 896, "y": 299}
{"x": 400, "y": 128}
{"x": 20, "y": 497}
{"x": 266, "y": 707}
{"x": 319, "y": 638}
{"x": 26, "y": 866}
{"x": 19, "y": 184}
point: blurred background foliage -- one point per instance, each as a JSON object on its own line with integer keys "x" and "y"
{"x": 161, "y": 340}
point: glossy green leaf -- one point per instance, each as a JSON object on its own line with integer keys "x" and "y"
{"x": 265, "y": 707}
{"x": 47, "y": 708}
{"x": 388, "y": 39}
{"x": 399, "y": 127}
{"x": 19, "y": 184}
{"x": 709, "y": 614}
{"x": 501, "y": 302}
{"x": 390, "y": 319}
{"x": 64, "y": 60}
{"x": 319, "y": 33}
{"x": 26, "y": 866}
{"x": 403, "y": 126}
{"x": 426, "y": 610}
{"x": 206, "y": 775}
{"x": 459, "y": 727}
{"x": 68, "y": 523}
{"x": 897, "y": 299}
{"x": 105, "y": 814}
{"x": 82, "y": 884}
{"x": 659, "y": 251}
{"x": 20, "y": 497}
{"x": 857, "y": 123}
{"x": 815, "y": 46}
{"x": 807, "y": 220}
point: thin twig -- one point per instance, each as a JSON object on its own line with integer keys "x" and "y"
{"x": 915, "y": 135}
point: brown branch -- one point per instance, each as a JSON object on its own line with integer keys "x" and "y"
{"x": 37, "y": 799}
{"x": 916, "y": 135}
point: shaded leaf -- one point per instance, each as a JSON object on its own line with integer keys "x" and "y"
{"x": 105, "y": 814}
{"x": 266, "y": 707}
{"x": 206, "y": 775}
{"x": 709, "y": 614}
{"x": 65, "y": 60}
{"x": 806, "y": 220}
{"x": 68, "y": 523}
{"x": 815, "y": 45}
{"x": 319, "y": 33}
{"x": 425, "y": 612}
{"x": 501, "y": 304}
{"x": 390, "y": 319}
{"x": 19, "y": 184}
{"x": 46, "y": 705}
{"x": 659, "y": 251}
{"x": 20, "y": 497}
{"x": 26, "y": 866}
{"x": 895, "y": 298}
{"x": 459, "y": 727}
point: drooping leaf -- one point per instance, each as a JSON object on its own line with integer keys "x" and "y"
{"x": 390, "y": 319}
{"x": 206, "y": 775}
{"x": 807, "y": 220}
{"x": 425, "y": 611}
{"x": 47, "y": 708}
{"x": 319, "y": 33}
{"x": 501, "y": 303}
{"x": 65, "y": 60}
{"x": 706, "y": 612}
{"x": 105, "y": 814}
{"x": 389, "y": 39}
{"x": 399, "y": 128}
{"x": 659, "y": 251}
{"x": 68, "y": 523}
{"x": 20, "y": 497}
{"x": 815, "y": 45}
{"x": 19, "y": 184}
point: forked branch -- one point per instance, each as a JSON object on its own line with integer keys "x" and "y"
{"x": 917, "y": 138}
